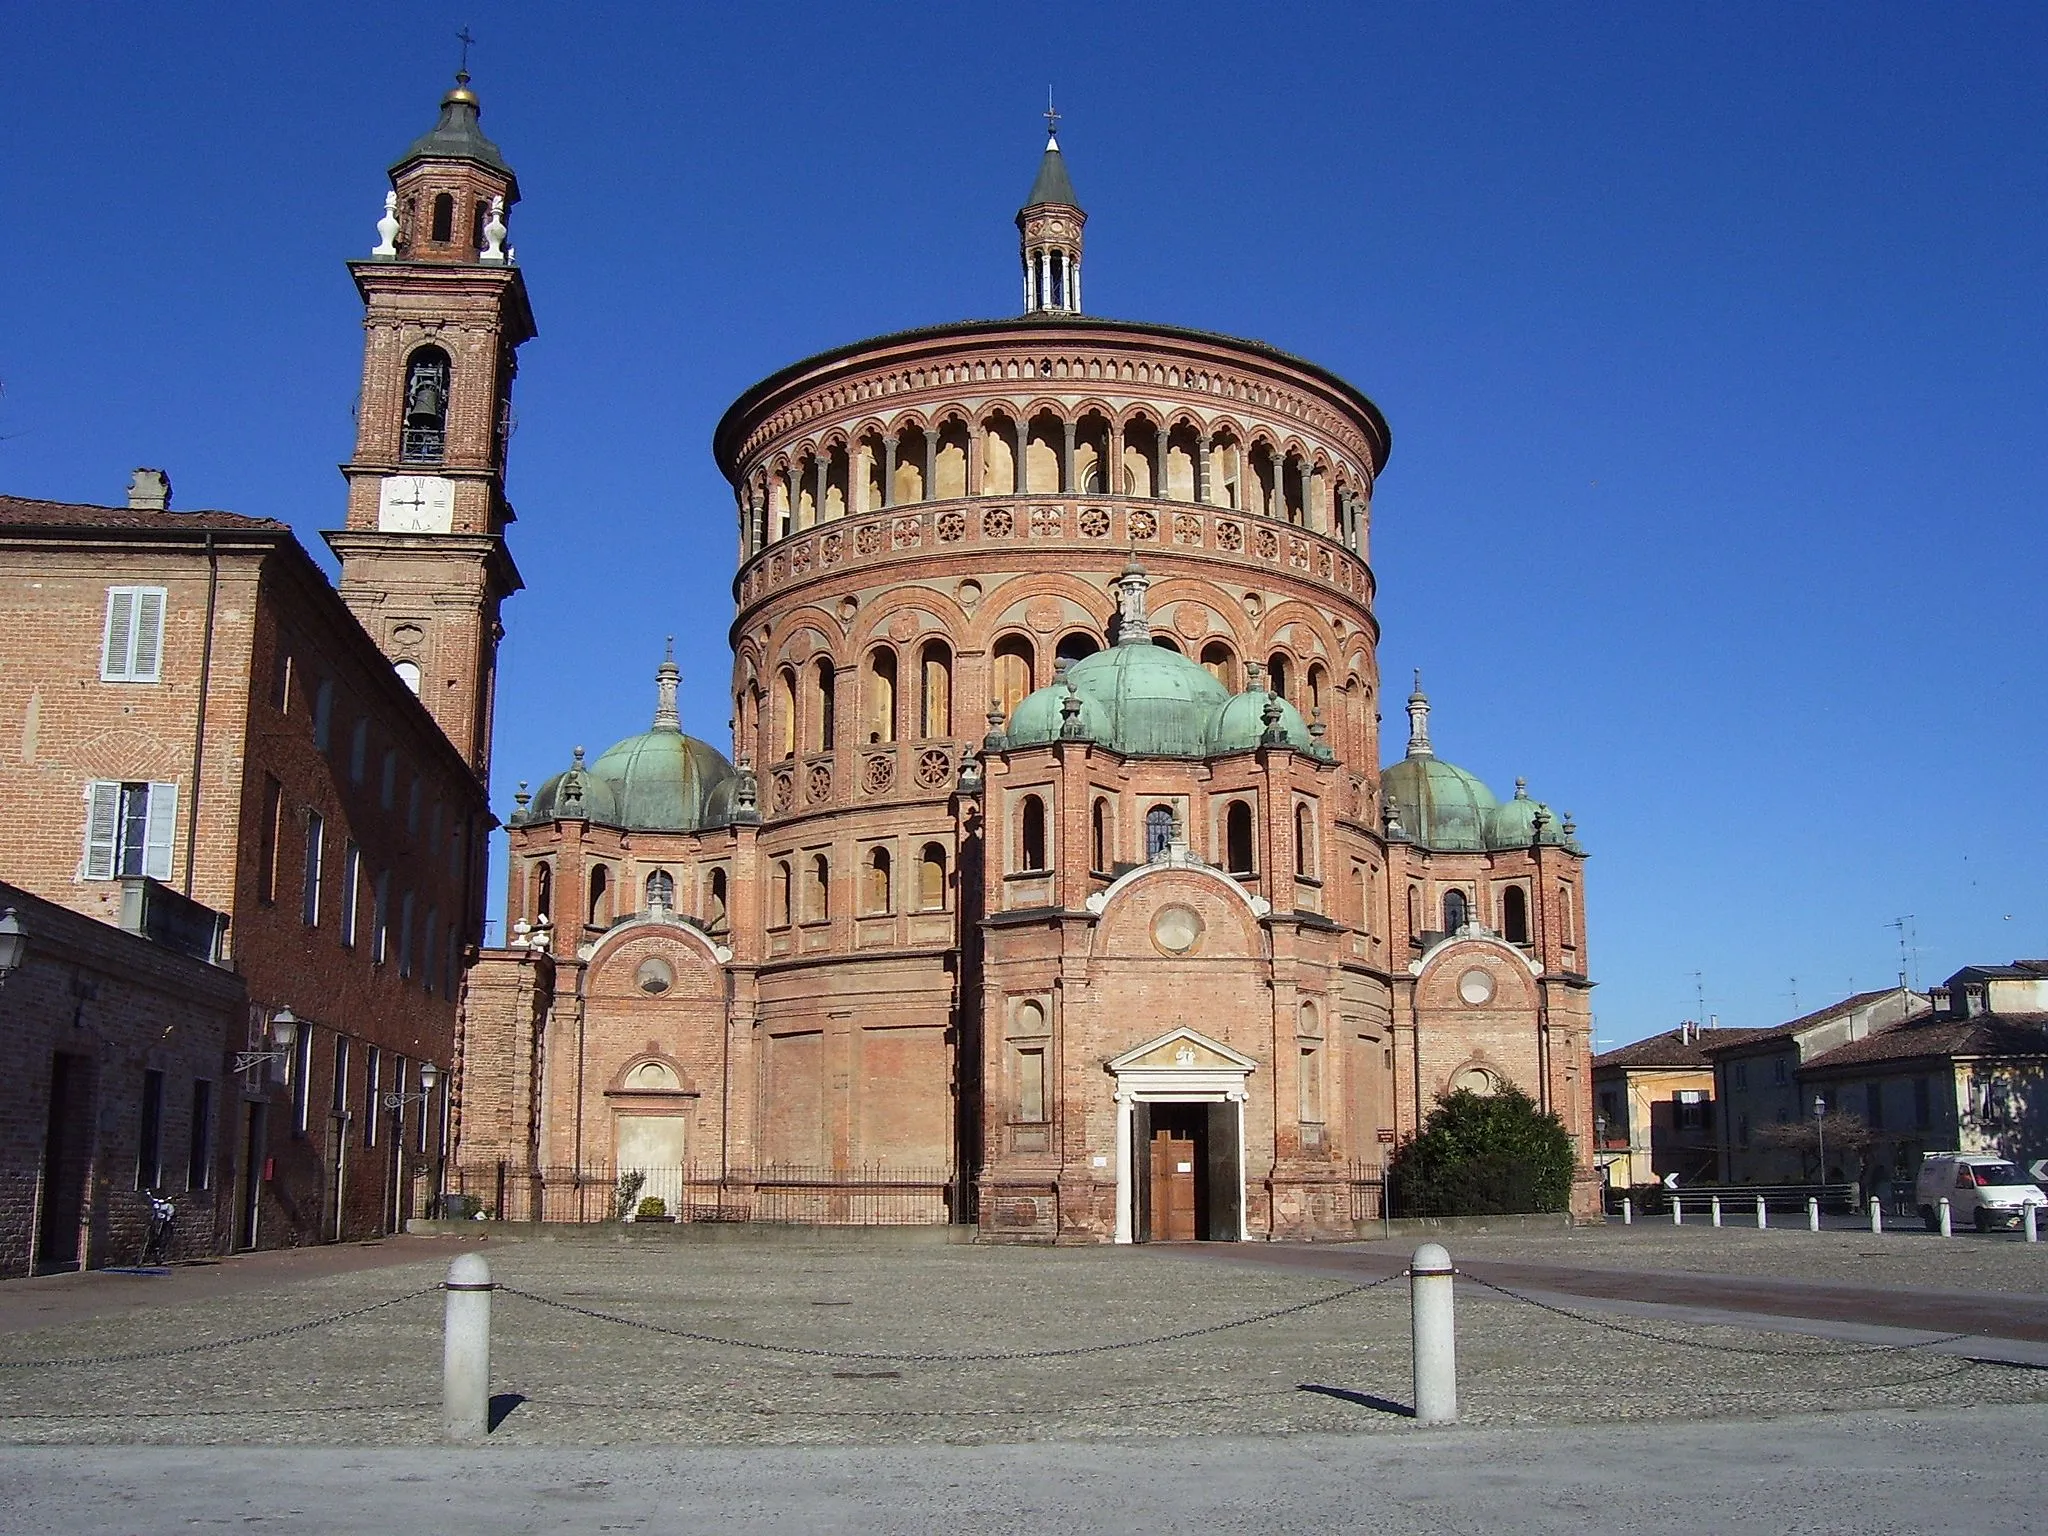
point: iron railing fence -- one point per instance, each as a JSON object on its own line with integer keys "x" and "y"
{"x": 874, "y": 1196}
{"x": 1367, "y": 1186}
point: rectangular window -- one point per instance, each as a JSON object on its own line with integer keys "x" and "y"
{"x": 1923, "y": 1104}
{"x": 426, "y": 1115}
{"x": 149, "y": 1152}
{"x": 373, "y": 1093}
{"x": 1741, "y": 1074}
{"x": 268, "y": 830}
{"x": 1031, "y": 1085}
{"x": 199, "y": 1165}
{"x": 129, "y": 829}
{"x": 380, "y": 919}
{"x": 388, "y": 790}
{"x": 281, "y": 681}
{"x": 323, "y": 714}
{"x": 351, "y": 890}
{"x": 132, "y": 647}
{"x": 340, "y": 1104}
{"x": 302, "y": 1077}
{"x": 359, "y": 751}
{"x": 430, "y": 949}
{"x": 412, "y": 808}
{"x": 1778, "y": 1070}
{"x": 399, "y": 1073}
{"x": 316, "y": 848}
{"x": 1873, "y": 1106}
{"x": 434, "y": 828}
{"x": 1311, "y": 1086}
{"x": 405, "y": 935}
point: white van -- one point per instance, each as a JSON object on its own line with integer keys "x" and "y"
{"x": 1985, "y": 1190}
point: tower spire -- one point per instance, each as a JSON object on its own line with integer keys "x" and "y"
{"x": 1049, "y": 225}
{"x": 1418, "y": 721}
{"x": 667, "y": 677}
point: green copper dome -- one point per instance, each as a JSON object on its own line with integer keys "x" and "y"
{"x": 1440, "y": 806}
{"x": 657, "y": 781}
{"x": 1513, "y": 823}
{"x": 1136, "y": 698}
{"x": 1240, "y": 725}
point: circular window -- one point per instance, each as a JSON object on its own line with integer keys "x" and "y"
{"x": 1176, "y": 930}
{"x": 654, "y": 977}
{"x": 1476, "y": 1080}
{"x": 1476, "y": 987}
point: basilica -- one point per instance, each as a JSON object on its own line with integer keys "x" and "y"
{"x": 1052, "y": 881}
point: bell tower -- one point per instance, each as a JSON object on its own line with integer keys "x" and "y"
{"x": 1049, "y": 231}
{"x": 423, "y": 559}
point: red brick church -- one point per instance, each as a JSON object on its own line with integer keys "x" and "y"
{"x": 1053, "y": 881}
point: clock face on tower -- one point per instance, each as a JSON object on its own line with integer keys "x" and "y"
{"x": 416, "y": 504}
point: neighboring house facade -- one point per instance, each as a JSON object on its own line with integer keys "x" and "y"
{"x": 199, "y": 706}
{"x": 117, "y": 1081}
{"x": 1970, "y": 1075}
{"x": 1654, "y": 1110}
{"x": 1757, "y": 1082}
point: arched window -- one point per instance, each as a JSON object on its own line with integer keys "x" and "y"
{"x": 543, "y": 891}
{"x": 818, "y": 890}
{"x": 600, "y": 896}
{"x": 1098, "y": 828}
{"x": 880, "y": 724}
{"x": 444, "y": 218}
{"x": 1514, "y": 914}
{"x": 1074, "y": 646}
{"x": 931, "y": 878}
{"x": 1158, "y": 830}
{"x": 1220, "y": 664}
{"x": 1031, "y": 833}
{"x": 408, "y": 674}
{"x": 823, "y": 719}
{"x": 1166, "y": 643}
{"x": 785, "y": 713}
{"x": 423, "y": 438}
{"x": 935, "y": 714}
{"x": 779, "y": 898}
{"x": 477, "y": 216}
{"x": 1564, "y": 914}
{"x": 661, "y": 891}
{"x": 1414, "y": 910}
{"x": 1304, "y": 841}
{"x": 715, "y": 920}
{"x": 876, "y": 895}
{"x": 1014, "y": 661}
{"x": 1277, "y": 675}
{"x": 1237, "y": 838}
{"x": 1456, "y": 912}
{"x": 1318, "y": 689}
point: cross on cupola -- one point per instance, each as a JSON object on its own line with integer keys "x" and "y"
{"x": 1049, "y": 224}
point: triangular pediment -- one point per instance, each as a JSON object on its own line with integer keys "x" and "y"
{"x": 1183, "y": 1050}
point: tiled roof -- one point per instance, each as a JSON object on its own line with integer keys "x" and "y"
{"x": 1987, "y": 1034}
{"x": 1807, "y": 1021}
{"x": 1670, "y": 1049}
{"x": 21, "y": 512}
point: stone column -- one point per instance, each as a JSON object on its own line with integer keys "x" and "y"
{"x": 889, "y": 471}
{"x": 1159, "y": 468}
{"x": 1202, "y": 468}
{"x": 931, "y": 462}
{"x": 1067, "y": 461}
{"x": 822, "y": 459}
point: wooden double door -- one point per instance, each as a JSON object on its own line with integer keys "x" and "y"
{"x": 1188, "y": 1182}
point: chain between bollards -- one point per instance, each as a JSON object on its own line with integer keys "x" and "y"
{"x": 466, "y": 1350}
{"x": 1435, "y": 1327}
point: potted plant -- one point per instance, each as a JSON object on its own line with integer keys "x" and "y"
{"x": 653, "y": 1208}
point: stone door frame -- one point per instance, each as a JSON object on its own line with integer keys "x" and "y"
{"x": 1184, "y": 1083}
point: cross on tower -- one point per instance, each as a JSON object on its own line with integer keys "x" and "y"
{"x": 1052, "y": 115}
{"x": 465, "y": 39}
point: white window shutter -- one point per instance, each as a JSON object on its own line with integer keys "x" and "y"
{"x": 162, "y": 830}
{"x": 149, "y": 635}
{"x": 102, "y": 828}
{"x": 117, "y": 649}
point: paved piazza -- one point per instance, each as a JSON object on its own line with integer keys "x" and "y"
{"x": 572, "y": 1380}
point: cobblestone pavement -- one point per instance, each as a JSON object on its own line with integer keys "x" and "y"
{"x": 568, "y": 1379}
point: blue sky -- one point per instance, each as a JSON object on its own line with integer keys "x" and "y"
{"x": 1711, "y": 337}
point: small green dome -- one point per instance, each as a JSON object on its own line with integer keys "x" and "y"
{"x": 1240, "y": 726}
{"x": 657, "y": 781}
{"x": 1513, "y": 824}
{"x": 1140, "y": 699}
{"x": 1440, "y": 805}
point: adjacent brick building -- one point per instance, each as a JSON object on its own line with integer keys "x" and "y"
{"x": 1057, "y": 882}
{"x": 198, "y": 705}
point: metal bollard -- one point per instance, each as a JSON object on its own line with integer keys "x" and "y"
{"x": 1717, "y": 1210}
{"x": 2033, "y": 1224}
{"x": 1628, "y": 1211}
{"x": 466, "y": 1350}
{"x": 1763, "y": 1214}
{"x": 1812, "y": 1214}
{"x": 1876, "y": 1215}
{"x": 1435, "y": 1327}
{"x": 1677, "y": 1209}
{"x": 1947, "y": 1228}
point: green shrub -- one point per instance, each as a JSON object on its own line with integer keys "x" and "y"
{"x": 1483, "y": 1155}
{"x": 649, "y": 1208}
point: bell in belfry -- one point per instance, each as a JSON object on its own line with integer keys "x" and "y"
{"x": 425, "y": 409}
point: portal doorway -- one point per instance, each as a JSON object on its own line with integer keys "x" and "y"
{"x": 67, "y": 1164}
{"x": 1188, "y": 1183}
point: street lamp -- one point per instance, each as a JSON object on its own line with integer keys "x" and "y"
{"x": 1820, "y": 1125}
{"x": 429, "y": 1075}
{"x": 284, "y": 1029}
{"x": 13, "y": 945}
